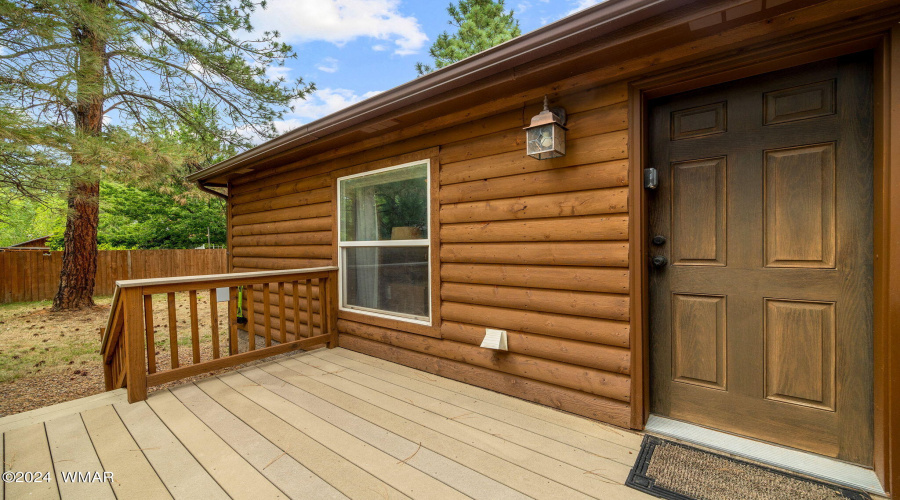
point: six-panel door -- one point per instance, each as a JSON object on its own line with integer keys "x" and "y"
{"x": 761, "y": 320}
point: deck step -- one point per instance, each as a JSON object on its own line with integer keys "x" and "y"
{"x": 46, "y": 413}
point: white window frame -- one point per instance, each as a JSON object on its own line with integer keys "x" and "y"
{"x": 425, "y": 242}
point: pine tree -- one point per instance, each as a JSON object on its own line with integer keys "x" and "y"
{"x": 480, "y": 25}
{"x": 89, "y": 83}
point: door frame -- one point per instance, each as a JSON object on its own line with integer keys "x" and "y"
{"x": 764, "y": 58}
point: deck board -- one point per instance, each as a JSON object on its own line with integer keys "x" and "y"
{"x": 357, "y": 453}
{"x": 236, "y": 476}
{"x": 505, "y": 472}
{"x": 568, "y": 421}
{"x": 416, "y": 454}
{"x": 613, "y": 468}
{"x": 184, "y": 477}
{"x": 288, "y": 475}
{"x": 62, "y": 409}
{"x": 134, "y": 477}
{"x": 331, "y": 424}
{"x": 345, "y": 478}
{"x": 72, "y": 452}
{"x": 583, "y": 480}
{"x": 617, "y": 442}
{"x": 27, "y": 450}
{"x": 286, "y": 401}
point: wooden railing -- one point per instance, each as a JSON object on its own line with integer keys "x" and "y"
{"x": 287, "y": 310}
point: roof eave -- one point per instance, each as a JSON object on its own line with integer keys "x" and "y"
{"x": 572, "y": 30}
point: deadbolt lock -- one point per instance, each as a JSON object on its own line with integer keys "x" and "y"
{"x": 658, "y": 240}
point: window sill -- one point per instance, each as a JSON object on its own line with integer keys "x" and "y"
{"x": 393, "y": 324}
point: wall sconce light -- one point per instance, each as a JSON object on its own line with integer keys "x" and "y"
{"x": 546, "y": 136}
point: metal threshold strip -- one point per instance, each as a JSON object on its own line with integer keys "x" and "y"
{"x": 808, "y": 464}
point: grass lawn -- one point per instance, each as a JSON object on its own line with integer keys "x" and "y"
{"x": 48, "y": 357}
{"x": 34, "y": 340}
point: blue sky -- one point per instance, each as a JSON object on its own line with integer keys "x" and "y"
{"x": 353, "y": 49}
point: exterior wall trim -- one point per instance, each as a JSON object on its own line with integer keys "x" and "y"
{"x": 431, "y": 157}
{"x": 424, "y": 242}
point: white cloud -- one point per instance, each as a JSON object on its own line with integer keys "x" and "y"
{"x": 379, "y": 47}
{"x": 324, "y": 102}
{"x": 276, "y": 72}
{"x": 583, "y": 4}
{"x": 283, "y": 126}
{"x": 196, "y": 68}
{"x": 321, "y": 103}
{"x": 340, "y": 21}
{"x": 328, "y": 65}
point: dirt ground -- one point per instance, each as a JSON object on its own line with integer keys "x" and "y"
{"x": 47, "y": 358}
{"x": 51, "y": 357}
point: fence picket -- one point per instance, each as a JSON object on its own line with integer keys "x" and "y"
{"x": 30, "y": 275}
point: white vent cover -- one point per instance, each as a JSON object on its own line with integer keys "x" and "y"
{"x": 494, "y": 339}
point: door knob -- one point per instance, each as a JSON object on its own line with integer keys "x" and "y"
{"x": 659, "y": 261}
{"x": 658, "y": 240}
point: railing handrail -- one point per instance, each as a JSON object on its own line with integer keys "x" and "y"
{"x": 205, "y": 278}
{"x": 128, "y": 343}
{"x": 109, "y": 322}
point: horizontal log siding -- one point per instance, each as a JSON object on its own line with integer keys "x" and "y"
{"x": 538, "y": 248}
{"x": 282, "y": 226}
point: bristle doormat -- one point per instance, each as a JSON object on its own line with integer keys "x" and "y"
{"x": 674, "y": 471}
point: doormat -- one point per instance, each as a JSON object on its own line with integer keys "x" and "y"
{"x": 674, "y": 471}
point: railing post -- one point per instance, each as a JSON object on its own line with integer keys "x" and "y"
{"x": 133, "y": 335}
{"x": 332, "y": 309}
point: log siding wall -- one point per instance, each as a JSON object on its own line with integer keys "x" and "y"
{"x": 514, "y": 221}
{"x": 539, "y": 248}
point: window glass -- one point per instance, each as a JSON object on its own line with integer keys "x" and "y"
{"x": 390, "y": 205}
{"x": 384, "y": 243}
{"x": 390, "y": 279}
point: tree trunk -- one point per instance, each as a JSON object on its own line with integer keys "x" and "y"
{"x": 79, "y": 268}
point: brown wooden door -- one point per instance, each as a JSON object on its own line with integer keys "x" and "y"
{"x": 761, "y": 321}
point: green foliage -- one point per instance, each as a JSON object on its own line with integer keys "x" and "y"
{"x": 134, "y": 218}
{"x": 130, "y": 218}
{"x": 30, "y": 158}
{"x": 25, "y": 219}
{"x": 148, "y": 63}
{"x": 144, "y": 213}
{"x": 402, "y": 204}
{"x": 131, "y": 91}
{"x": 480, "y": 25}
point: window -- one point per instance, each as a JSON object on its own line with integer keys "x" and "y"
{"x": 384, "y": 242}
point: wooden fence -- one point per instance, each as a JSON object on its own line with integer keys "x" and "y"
{"x": 34, "y": 274}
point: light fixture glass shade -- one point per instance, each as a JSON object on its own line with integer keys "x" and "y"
{"x": 546, "y": 141}
{"x": 545, "y": 137}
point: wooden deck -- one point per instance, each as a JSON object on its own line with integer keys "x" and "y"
{"x": 323, "y": 424}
